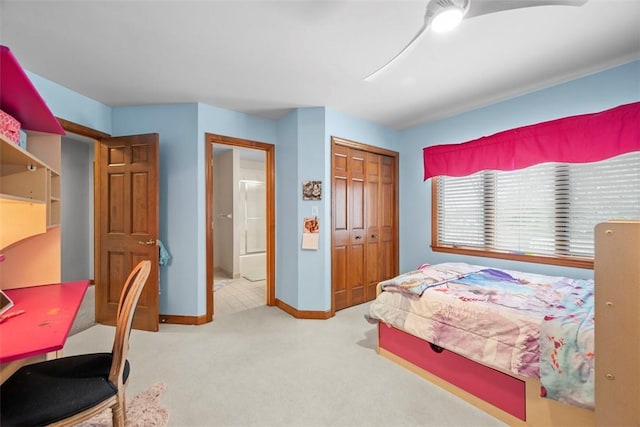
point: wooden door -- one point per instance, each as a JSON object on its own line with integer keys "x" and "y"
{"x": 348, "y": 227}
{"x": 364, "y": 222}
{"x": 126, "y": 207}
{"x": 386, "y": 252}
{"x": 373, "y": 268}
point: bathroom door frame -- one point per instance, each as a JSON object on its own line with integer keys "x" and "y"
{"x": 269, "y": 150}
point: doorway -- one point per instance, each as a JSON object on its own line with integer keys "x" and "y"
{"x": 76, "y": 190}
{"x": 239, "y": 238}
{"x": 76, "y": 221}
{"x": 108, "y": 276}
{"x": 240, "y": 218}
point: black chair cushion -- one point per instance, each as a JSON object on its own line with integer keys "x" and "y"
{"x": 53, "y": 390}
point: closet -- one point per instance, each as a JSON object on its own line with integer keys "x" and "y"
{"x": 364, "y": 218}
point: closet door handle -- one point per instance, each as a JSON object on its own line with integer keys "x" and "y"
{"x": 358, "y": 237}
{"x": 373, "y": 236}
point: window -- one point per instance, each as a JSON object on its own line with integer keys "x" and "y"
{"x": 544, "y": 213}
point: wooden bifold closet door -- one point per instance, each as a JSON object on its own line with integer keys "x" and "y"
{"x": 364, "y": 221}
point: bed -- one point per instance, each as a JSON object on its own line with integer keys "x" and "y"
{"x": 519, "y": 345}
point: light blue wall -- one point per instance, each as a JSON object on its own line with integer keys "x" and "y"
{"x": 303, "y": 153}
{"x": 356, "y": 129}
{"x": 303, "y": 146}
{"x": 182, "y": 129}
{"x": 176, "y": 125}
{"x": 590, "y": 94}
{"x": 73, "y": 106}
{"x": 303, "y": 280}
{"x": 287, "y": 246}
{"x": 314, "y": 278}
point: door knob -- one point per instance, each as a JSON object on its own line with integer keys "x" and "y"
{"x": 358, "y": 237}
{"x": 149, "y": 242}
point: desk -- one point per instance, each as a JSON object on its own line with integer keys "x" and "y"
{"x": 43, "y": 328}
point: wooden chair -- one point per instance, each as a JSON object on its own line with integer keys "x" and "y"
{"x": 68, "y": 390}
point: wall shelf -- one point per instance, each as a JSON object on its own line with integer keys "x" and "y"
{"x": 30, "y": 203}
{"x": 21, "y": 219}
{"x": 12, "y": 154}
{"x": 24, "y": 177}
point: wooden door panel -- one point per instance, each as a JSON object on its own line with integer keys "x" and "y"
{"x": 362, "y": 183}
{"x": 387, "y": 232}
{"x": 340, "y": 217}
{"x": 356, "y": 254}
{"x": 140, "y": 204}
{"x": 147, "y": 303}
{"x": 339, "y": 273}
{"x": 339, "y": 232}
{"x": 355, "y": 293}
{"x": 115, "y": 191}
{"x": 386, "y": 206}
{"x": 388, "y": 269}
{"x": 388, "y": 218}
{"x": 338, "y": 276}
{"x": 373, "y": 270}
{"x": 340, "y": 158}
{"x": 127, "y": 208}
{"x": 372, "y": 260}
{"x": 356, "y": 189}
{"x": 117, "y": 266}
{"x": 356, "y": 205}
{"x": 356, "y": 163}
{"x": 371, "y": 202}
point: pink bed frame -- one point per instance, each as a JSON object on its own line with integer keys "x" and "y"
{"x": 513, "y": 399}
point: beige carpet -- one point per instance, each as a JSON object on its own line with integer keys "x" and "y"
{"x": 143, "y": 410}
{"x": 261, "y": 367}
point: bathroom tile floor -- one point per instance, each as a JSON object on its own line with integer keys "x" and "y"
{"x": 234, "y": 295}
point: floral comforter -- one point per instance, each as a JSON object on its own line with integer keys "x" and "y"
{"x": 529, "y": 324}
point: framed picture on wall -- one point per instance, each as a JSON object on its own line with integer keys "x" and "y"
{"x": 311, "y": 190}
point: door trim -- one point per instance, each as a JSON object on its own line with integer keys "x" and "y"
{"x": 269, "y": 150}
{"x": 96, "y": 135}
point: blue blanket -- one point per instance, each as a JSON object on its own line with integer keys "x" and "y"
{"x": 567, "y": 348}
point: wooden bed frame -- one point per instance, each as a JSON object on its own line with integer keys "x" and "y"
{"x": 516, "y": 400}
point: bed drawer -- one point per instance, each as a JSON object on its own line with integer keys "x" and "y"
{"x": 492, "y": 386}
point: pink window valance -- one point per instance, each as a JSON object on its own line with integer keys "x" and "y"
{"x": 576, "y": 139}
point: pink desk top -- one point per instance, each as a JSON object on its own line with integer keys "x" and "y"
{"x": 46, "y": 322}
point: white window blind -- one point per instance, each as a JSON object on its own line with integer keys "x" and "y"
{"x": 548, "y": 209}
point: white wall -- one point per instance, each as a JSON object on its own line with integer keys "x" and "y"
{"x": 253, "y": 207}
{"x": 224, "y": 201}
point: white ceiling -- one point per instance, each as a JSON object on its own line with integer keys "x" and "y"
{"x": 267, "y": 57}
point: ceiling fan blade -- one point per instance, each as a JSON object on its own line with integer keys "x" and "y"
{"x": 485, "y": 7}
{"x": 404, "y": 50}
